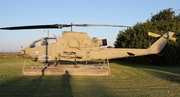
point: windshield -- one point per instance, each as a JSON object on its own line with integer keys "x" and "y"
{"x": 47, "y": 41}
{"x": 35, "y": 44}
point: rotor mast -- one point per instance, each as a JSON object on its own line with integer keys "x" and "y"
{"x": 71, "y": 26}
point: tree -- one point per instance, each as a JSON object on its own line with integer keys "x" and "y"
{"x": 137, "y": 37}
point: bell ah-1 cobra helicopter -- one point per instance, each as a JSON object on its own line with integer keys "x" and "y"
{"x": 78, "y": 46}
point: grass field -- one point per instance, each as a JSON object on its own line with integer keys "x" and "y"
{"x": 126, "y": 80}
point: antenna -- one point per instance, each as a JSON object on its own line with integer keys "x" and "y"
{"x": 47, "y": 32}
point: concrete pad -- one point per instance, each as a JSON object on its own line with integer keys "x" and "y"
{"x": 83, "y": 70}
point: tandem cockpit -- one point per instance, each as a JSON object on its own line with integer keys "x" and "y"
{"x": 43, "y": 42}
{"x": 39, "y": 47}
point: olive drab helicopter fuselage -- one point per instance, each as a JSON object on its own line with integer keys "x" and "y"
{"x": 78, "y": 46}
{"x": 72, "y": 46}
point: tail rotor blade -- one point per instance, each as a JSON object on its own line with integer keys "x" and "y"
{"x": 153, "y": 34}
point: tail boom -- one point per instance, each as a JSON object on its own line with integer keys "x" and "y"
{"x": 126, "y": 52}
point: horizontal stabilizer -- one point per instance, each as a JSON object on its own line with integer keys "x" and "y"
{"x": 131, "y": 54}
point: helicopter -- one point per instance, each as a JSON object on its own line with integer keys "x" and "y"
{"x": 78, "y": 46}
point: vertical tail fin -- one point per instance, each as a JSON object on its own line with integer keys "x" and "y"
{"x": 161, "y": 42}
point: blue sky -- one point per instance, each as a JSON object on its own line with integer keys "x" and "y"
{"x": 33, "y": 12}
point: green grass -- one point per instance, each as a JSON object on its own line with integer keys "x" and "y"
{"x": 126, "y": 80}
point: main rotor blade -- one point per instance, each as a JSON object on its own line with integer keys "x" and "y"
{"x": 56, "y": 26}
{"x": 85, "y": 25}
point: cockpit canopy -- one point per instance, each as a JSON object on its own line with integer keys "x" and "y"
{"x": 43, "y": 41}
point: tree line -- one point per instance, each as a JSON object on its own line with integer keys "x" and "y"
{"x": 137, "y": 37}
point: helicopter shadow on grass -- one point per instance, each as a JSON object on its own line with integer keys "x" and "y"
{"x": 57, "y": 85}
{"x": 20, "y": 86}
{"x": 93, "y": 86}
{"x": 37, "y": 86}
{"x": 171, "y": 74}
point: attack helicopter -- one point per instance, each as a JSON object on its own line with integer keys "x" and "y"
{"x": 78, "y": 46}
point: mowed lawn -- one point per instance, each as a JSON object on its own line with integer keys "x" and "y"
{"x": 126, "y": 80}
